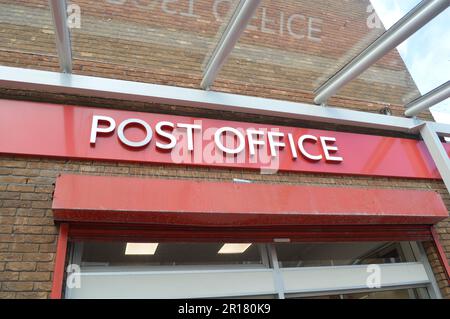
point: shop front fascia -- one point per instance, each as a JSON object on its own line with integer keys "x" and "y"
{"x": 267, "y": 215}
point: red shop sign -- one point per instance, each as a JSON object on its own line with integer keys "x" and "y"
{"x": 41, "y": 129}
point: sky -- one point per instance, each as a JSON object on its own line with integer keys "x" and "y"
{"x": 426, "y": 53}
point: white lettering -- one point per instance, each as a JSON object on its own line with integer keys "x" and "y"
{"x": 215, "y": 8}
{"x": 190, "y": 12}
{"x": 161, "y": 132}
{"x": 301, "y": 140}
{"x": 327, "y": 148}
{"x": 165, "y": 7}
{"x": 264, "y": 21}
{"x": 252, "y": 142}
{"x": 95, "y": 129}
{"x": 274, "y": 144}
{"x": 289, "y": 25}
{"x": 190, "y": 133}
{"x": 124, "y": 140}
{"x": 317, "y": 29}
{"x": 73, "y": 16}
{"x": 292, "y": 146}
{"x": 228, "y": 140}
{"x": 223, "y": 148}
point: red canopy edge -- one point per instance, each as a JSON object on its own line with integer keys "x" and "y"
{"x": 193, "y": 203}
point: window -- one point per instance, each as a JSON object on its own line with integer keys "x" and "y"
{"x": 334, "y": 254}
{"x": 112, "y": 254}
{"x": 241, "y": 270}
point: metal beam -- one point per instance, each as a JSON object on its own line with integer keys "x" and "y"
{"x": 438, "y": 153}
{"x": 404, "y": 28}
{"x": 62, "y": 36}
{"x": 44, "y": 81}
{"x": 237, "y": 24}
{"x": 426, "y": 101}
{"x": 441, "y": 129}
{"x": 54, "y": 82}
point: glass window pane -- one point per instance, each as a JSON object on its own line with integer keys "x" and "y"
{"x": 243, "y": 269}
{"x": 378, "y": 294}
{"x": 291, "y": 47}
{"x": 166, "y": 42}
{"x": 27, "y": 37}
{"x": 335, "y": 254}
{"x": 167, "y": 254}
{"x": 423, "y": 67}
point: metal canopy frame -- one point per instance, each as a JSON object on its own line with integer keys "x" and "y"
{"x": 62, "y": 35}
{"x": 237, "y": 24}
{"x": 54, "y": 82}
{"x": 423, "y": 13}
{"x": 426, "y": 101}
{"x": 438, "y": 152}
{"x": 19, "y": 78}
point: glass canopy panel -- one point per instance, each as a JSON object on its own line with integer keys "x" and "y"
{"x": 291, "y": 47}
{"x": 27, "y": 37}
{"x": 425, "y": 65}
{"x": 338, "y": 254}
{"x": 427, "y": 55}
{"x": 168, "y": 254}
{"x": 165, "y": 42}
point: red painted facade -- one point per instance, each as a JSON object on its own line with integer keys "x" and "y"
{"x": 105, "y": 199}
{"x": 41, "y": 129}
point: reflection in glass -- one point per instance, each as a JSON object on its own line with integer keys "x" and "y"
{"x": 166, "y": 42}
{"x": 418, "y": 293}
{"x": 337, "y": 254}
{"x": 27, "y": 36}
{"x": 166, "y": 254}
{"x": 293, "y": 46}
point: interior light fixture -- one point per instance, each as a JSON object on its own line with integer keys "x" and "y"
{"x": 281, "y": 240}
{"x": 141, "y": 248}
{"x": 233, "y": 248}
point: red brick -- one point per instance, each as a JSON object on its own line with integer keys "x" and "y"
{"x": 20, "y": 266}
{"x": 10, "y": 257}
{"x": 7, "y": 211}
{"x": 8, "y": 276}
{"x": 34, "y": 196}
{"x": 47, "y": 248}
{"x": 30, "y": 212}
{"x": 6, "y": 229}
{"x": 7, "y": 295}
{"x": 9, "y": 195}
{"x": 42, "y": 286}
{"x": 20, "y": 188}
{"x": 34, "y": 276}
{"x": 23, "y": 248}
{"x": 13, "y": 163}
{"x": 37, "y": 257}
{"x": 28, "y": 229}
{"x": 31, "y": 295}
{"x": 12, "y": 179}
{"x": 17, "y": 286}
{"x": 44, "y": 266}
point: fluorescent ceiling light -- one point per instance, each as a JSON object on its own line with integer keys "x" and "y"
{"x": 141, "y": 248}
{"x": 233, "y": 248}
